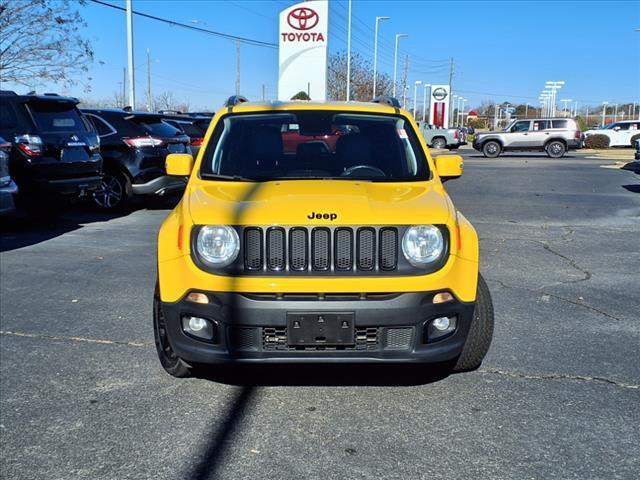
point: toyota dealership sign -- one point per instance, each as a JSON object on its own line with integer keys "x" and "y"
{"x": 303, "y": 50}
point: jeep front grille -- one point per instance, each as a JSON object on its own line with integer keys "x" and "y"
{"x": 320, "y": 249}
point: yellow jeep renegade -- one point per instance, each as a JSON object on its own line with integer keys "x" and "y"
{"x": 318, "y": 232}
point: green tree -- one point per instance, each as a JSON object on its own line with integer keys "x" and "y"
{"x": 301, "y": 95}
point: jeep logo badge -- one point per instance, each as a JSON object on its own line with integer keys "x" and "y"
{"x": 322, "y": 216}
{"x": 439, "y": 94}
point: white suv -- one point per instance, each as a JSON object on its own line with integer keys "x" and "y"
{"x": 619, "y": 133}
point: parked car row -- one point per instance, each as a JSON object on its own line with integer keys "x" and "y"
{"x": 621, "y": 134}
{"x": 53, "y": 154}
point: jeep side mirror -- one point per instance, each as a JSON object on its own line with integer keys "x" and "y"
{"x": 179, "y": 164}
{"x": 449, "y": 166}
{"x": 616, "y": 128}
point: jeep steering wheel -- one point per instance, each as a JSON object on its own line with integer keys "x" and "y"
{"x": 364, "y": 171}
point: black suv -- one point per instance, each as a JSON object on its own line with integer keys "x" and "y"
{"x": 134, "y": 146}
{"x": 54, "y": 156}
{"x": 194, "y": 126}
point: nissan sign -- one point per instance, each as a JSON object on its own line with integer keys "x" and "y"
{"x": 303, "y": 50}
{"x": 439, "y": 94}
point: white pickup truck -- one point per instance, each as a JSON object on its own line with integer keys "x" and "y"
{"x": 436, "y": 137}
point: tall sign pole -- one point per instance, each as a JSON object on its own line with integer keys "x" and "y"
{"x": 131, "y": 83}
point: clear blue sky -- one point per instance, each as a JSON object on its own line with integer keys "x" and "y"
{"x": 503, "y": 50}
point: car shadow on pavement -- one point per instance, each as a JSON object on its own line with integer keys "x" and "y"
{"x": 20, "y": 230}
{"x": 632, "y": 188}
{"x": 328, "y": 375}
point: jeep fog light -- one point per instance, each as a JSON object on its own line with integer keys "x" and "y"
{"x": 442, "y": 297}
{"x": 440, "y": 327}
{"x": 441, "y": 324}
{"x": 197, "y": 327}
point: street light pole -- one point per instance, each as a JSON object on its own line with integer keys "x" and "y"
{"x": 395, "y": 61}
{"x": 415, "y": 97}
{"x": 375, "y": 55}
{"x": 615, "y": 115}
{"x": 424, "y": 103}
{"x": 131, "y": 74}
{"x": 604, "y": 112}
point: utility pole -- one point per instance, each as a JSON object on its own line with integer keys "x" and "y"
{"x": 526, "y": 110}
{"x": 149, "y": 97}
{"x": 263, "y": 97}
{"x": 124, "y": 87}
{"x": 237, "y": 67}
{"x": 450, "y": 88}
{"x": 404, "y": 80}
{"x": 132, "y": 83}
{"x": 349, "y": 54}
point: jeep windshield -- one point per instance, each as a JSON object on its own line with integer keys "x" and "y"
{"x": 314, "y": 145}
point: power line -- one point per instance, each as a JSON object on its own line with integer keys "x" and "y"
{"x": 227, "y": 36}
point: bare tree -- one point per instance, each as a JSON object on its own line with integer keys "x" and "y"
{"x": 165, "y": 101}
{"x": 40, "y": 41}
{"x": 361, "y": 78}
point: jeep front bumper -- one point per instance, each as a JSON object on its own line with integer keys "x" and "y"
{"x": 252, "y": 328}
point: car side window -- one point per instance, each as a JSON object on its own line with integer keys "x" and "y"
{"x": 8, "y": 119}
{"x": 622, "y": 126}
{"x": 101, "y": 126}
{"x": 560, "y": 123}
{"x": 538, "y": 125}
{"x": 520, "y": 127}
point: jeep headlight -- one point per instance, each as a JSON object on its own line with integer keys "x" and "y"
{"x": 422, "y": 245}
{"x": 217, "y": 245}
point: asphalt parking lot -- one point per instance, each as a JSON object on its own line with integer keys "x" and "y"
{"x": 84, "y": 397}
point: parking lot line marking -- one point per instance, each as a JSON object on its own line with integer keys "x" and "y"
{"x": 557, "y": 376}
{"x": 74, "y": 339}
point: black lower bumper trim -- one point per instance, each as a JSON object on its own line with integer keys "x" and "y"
{"x": 159, "y": 186}
{"x": 390, "y": 329}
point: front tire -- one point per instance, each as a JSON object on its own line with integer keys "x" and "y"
{"x": 491, "y": 149}
{"x": 171, "y": 363}
{"x": 480, "y": 333}
{"x": 555, "y": 149}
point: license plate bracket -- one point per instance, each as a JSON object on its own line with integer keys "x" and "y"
{"x": 321, "y": 329}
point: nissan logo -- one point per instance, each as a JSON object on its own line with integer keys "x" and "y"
{"x": 440, "y": 94}
{"x": 302, "y": 18}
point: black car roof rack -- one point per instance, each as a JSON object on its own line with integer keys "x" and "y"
{"x": 387, "y": 100}
{"x": 234, "y": 100}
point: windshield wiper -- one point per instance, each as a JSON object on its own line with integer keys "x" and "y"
{"x": 232, "y": 178}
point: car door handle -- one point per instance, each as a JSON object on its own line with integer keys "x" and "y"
{"x": 526, "y": 134}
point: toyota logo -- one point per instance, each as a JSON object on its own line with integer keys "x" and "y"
{"x": 302, "y": 18}
{"x": 439, "y": 94}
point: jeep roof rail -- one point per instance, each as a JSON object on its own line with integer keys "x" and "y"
{"x": 234, "y": 100}
{"x": 387, "y": 100}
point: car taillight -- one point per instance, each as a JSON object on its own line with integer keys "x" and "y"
{"x": 138, "y": 142}
{"x": 578, "y": 135}
{"x": 455, "y": 134}
{"x": 197, "y": 142}
{"x": 31, "y": 145}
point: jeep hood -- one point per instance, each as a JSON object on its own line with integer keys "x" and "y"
{"x": 293, "y": 202}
